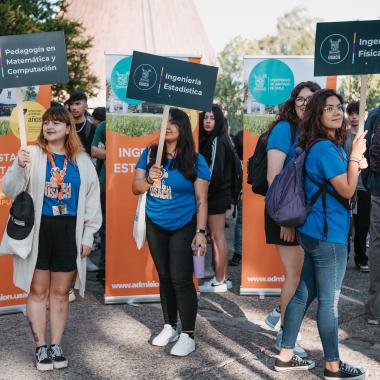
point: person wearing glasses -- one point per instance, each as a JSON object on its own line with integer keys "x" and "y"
{"x": 281, "y": 149}
{"x": 324, "y": 234}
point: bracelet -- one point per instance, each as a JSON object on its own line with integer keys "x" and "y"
{"x": 200, "y": 231}
{"x": 148, "y": 179}
{"x": 355, "y": 157}
{"x": 353, "y": 160}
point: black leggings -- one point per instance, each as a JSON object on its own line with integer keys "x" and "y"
{"x": 172, "y": 254}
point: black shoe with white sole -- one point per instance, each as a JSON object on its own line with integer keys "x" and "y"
{"x": 57, "y": 356}
{"x": 294, "y": 364}
{"x": 346, "y": 372}
{"x": 43, "y": 361}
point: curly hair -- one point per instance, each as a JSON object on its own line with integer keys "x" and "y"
{"x": 288, "y": 109}
{"x": 311, "y": 125}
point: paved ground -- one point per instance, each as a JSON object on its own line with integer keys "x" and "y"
{"x": 111, "y": 342}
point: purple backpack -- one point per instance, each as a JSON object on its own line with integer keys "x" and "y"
{"x": 285, "y": 200}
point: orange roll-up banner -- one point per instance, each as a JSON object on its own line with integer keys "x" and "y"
{"x": 132, "y": 125}
{"x": 35, "y": 100}
{"x": 269, "y": 82}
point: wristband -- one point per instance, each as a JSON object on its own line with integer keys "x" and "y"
{"x": 200, "y": 231}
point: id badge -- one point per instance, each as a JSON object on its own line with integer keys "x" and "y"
{"x": 60, "y": 210}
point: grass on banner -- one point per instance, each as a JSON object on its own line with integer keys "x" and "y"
{"x": 4, "y": 126}
{"x": 134, "y": 125}
{"x": 257, "y": 124}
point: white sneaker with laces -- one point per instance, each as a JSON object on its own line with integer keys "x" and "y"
{"x": 213, "y": 286}
{"x": 229, "y": 283}
{"x": 184, "y": 346}
{"x": 167, "y": 335}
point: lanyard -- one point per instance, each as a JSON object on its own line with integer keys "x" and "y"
{"x": 58, "y": 175}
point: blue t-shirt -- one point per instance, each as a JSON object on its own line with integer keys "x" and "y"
{"x": 325, "y": 161}
{"x": 171, "y": 204}
{"x": 70, "y": 188}
{"x": 281, "y": 138}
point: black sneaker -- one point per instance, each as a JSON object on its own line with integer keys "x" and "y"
{"x": 235, "y": 261}
{"x": 294, "y": 364}
{"x": 346, "y": 372}
{"x": 43, "y": 361}
{"x": 57, "y": 356}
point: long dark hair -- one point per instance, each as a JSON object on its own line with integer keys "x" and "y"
{"x": 311, "y": 125}
{"x": 219, "y": 129}
{"x": 185, "y": 159}
{"x": 206, "y": 139}
{"x": 288, "y": 109}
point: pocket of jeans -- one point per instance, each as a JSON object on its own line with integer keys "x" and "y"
{"x": 308, "y": 243}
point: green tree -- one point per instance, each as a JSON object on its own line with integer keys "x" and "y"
{"x": 229, "y": 90}
{"x": 31, "y": 16}
{"x": 30, "y": 93}
{"x": 350, "y": 89}
{"x": 295, "y": 34}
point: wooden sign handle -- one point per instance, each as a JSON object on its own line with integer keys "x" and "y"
{"x": 21, "y": 118}
{"x": 363, "y": 101}
{"x": 161, "y": 142}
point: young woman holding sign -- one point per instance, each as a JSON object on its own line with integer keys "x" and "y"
{"x": 176, "y": 216}
{"x": 324, "y": 234}
{"x": 281, "y": 149}
{"x": 65, "y": 190}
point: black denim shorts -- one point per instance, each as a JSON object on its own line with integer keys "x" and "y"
{"x": 57, "y": 250}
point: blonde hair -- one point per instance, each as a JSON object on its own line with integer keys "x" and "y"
{"x": 73, "y": 145}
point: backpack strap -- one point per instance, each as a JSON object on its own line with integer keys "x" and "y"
{"x": 324, "y": 190}
{"x": 293, "y": 133}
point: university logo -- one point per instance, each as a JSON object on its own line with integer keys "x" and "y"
{"x": 145, "y": 77}
{"x": 334, "y": 48}
{"x": 122, "y": 79}
{"x": 260, "y": 82}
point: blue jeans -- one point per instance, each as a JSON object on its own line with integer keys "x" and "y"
{"x": 238, "y": 229}
{"x": 322, "y": 276}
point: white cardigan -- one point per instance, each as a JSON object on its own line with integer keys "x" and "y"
{"x": 89, "y": 217}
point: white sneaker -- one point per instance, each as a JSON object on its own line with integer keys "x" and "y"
{"x": 184, "y": 346}
{"x": 213, "y": 286}
{"x": 229, "y": 283}
{"x": 167, "y": 335}
{"x": 91, "y": 267}
{"x": 72, "y": 297}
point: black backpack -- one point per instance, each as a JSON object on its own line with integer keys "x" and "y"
{"x": 374, "y": 147}
{"x": 257, "y": 165}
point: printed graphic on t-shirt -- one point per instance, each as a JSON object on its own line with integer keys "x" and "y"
{"x": 51, "y": 189}
{"x": 160, "y": 190}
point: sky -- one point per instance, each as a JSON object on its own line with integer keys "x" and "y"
{"x": 226, "y": 19}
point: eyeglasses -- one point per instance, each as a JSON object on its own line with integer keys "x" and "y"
{"x": 331, "y": 109}
{"x": 300, "y": 100}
